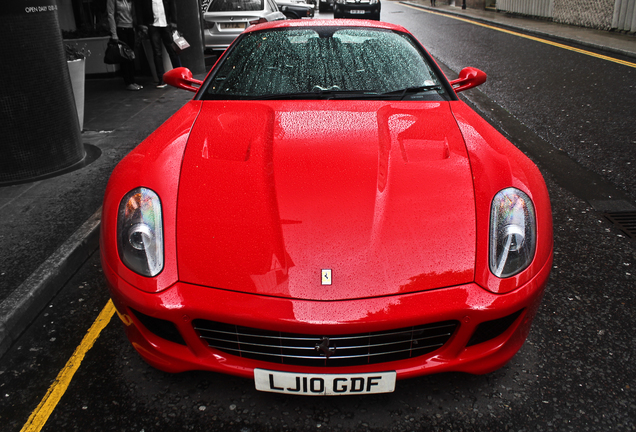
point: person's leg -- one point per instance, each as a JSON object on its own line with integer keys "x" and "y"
{"x": 166, "y": 37}
{"x": 155, "y": 40}
{"x": 127, "y": 35}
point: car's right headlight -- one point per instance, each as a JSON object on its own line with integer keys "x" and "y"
{"x": 140, "y": 232}
{"x": 512, "y": 232}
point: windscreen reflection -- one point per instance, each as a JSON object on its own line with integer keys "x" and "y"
{"x": 302, "y": 63}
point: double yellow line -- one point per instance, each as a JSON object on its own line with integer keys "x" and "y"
{"x": 525, "y": 36}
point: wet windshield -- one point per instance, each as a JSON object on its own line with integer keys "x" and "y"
{"x": 346, "y": 63}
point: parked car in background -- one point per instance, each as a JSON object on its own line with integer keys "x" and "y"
{"x": 224, "y": 20}
{"x": 325, "y": 5}
{"x": 295, "y": 9}
{"x": 365, "y": 9}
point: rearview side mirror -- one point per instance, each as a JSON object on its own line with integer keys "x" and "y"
{"x": 182, "y": 78}
{"x": 468, "y": 78}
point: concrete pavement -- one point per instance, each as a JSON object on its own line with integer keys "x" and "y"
{"x": 49, "y": 228}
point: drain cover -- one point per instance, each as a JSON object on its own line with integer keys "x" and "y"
{"x": 625, "y": 221}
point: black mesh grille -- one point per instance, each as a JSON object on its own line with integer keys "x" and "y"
{"x": 344, "y": 350}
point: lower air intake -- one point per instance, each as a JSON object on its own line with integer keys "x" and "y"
{"x": 491, "y": 329}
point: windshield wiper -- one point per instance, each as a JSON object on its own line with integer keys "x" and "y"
{"x": 335, "y": 93}
{"x": 322, "y": 94}
{"x": 416, "y": 89}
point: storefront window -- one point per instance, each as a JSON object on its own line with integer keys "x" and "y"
{"x": 83, "y": 18}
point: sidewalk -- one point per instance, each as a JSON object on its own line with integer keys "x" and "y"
{"x": 48, "y": 228}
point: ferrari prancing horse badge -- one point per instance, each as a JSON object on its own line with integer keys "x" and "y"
{"x": 326, "y": 276}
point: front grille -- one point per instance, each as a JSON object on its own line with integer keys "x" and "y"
{"x": 344, "y": 350}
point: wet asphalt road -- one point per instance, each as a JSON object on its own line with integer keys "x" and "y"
{"x": 575, "y": 372}
{"x": 581, "y": 104}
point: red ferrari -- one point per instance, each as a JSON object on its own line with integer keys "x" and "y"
{"x": 326, "y": 217}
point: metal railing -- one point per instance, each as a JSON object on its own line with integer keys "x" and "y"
{"x": 538, "y": 8}
{"x": 624, "y": 17}
{"x": 586, "y": 13}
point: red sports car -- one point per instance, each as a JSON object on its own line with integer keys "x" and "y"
{"x": 326, "y": 217}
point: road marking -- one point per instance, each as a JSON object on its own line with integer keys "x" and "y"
{"x": 38, "y": 418}
{"x": 525, "y": 36}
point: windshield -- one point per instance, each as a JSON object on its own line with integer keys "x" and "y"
{"x": 346, "y": 63}
{"x": 235, "y": 5}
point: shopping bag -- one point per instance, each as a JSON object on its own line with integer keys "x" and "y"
{"x": 179, "y": 43}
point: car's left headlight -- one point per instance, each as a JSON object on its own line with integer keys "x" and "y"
{"x": 140, "y": 232}
{"x": 512, "y": 232}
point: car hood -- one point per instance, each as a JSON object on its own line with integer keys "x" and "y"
{"x": 273, "y": 193}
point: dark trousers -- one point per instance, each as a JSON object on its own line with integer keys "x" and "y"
{"x": 127, "y": 35}
{"x": 159, "y": 35}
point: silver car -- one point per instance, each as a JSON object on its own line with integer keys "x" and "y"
{"x": 224, "y": 20}
{"x": 295, "y": 9}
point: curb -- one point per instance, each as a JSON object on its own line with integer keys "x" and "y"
{"x": 19, "y": 309}
{"x": 534, "y": 32}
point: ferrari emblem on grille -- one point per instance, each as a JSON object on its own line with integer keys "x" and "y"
{"x": 324, "y": 348}
{"x": 326, "y": 276}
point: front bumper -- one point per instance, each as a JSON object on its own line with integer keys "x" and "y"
{"x": 469, "y": 305}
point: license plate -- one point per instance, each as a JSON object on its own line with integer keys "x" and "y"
{"x": 356, "y": 12}
{"x": 225, "y": 26}
{"x": 324, "y": 384}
